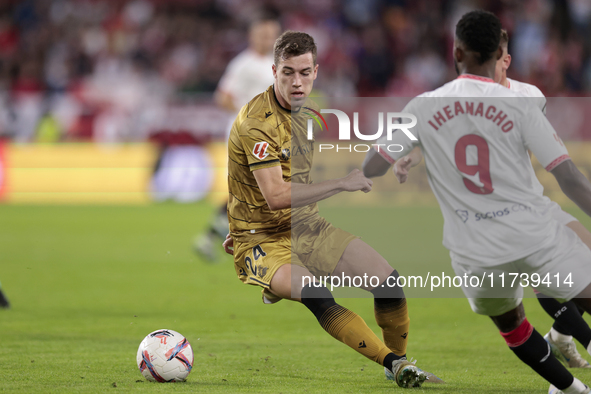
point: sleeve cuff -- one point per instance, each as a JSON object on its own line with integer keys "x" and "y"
{"x": 264, "y": 164}
{"x": 386, "y": 156}
{"x": 556, "y": 162}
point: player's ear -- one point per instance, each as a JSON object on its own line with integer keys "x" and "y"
{"x": 507, "y": 62}
{"x": 458, "y": 54}
{"x": 315, "y": 71}
{"x": 274, "y": 71}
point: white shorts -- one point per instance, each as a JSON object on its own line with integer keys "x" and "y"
{"x": 559, "y": 215}
{"x": 565, "y": 259}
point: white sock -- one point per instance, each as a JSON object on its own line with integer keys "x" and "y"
{"x": 577, "y": 387}
{"x": 558, "y": 337}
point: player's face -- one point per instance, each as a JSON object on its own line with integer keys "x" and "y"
{"x": 263, "y": 35}
{"x": 502, "y": 65}
{"x": 294, "y": 78}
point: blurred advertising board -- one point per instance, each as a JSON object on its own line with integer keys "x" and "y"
{"x": 2, "y": 172}
{"x": 89, "y": 173}
{"x": 78, "y": 173}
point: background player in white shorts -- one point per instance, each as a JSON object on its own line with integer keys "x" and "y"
{"x": 475, "y": 136}
{"x": 568, "y": 322}
{"x": 247, "y": 75}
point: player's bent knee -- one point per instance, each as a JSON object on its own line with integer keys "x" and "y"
{"x": 583, "y": 299}
{"x": 373, "y": 263}
{"x": 586, "y": 293}
{"x": 388, "y": 292}
{"x": 511, "y": 320}
{"x": 287, "y": 282}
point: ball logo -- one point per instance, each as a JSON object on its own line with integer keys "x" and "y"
{"x": 260, "y": 150}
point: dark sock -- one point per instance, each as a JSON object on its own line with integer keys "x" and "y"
{"x": 568, "y": 319}
{"x": 532, "y": 349}
{"x": 4, "y": 301}
{"x": 389, "y": 359}
{"x": 344, "y": 325}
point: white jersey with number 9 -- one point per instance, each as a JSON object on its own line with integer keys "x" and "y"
{"x": 475, "y": 135}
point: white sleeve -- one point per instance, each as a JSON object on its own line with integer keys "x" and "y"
{"x": 400, "y": 144}
{"x": 541, "y": 139}
{"x": 541, "y": 101}
{"x": 231, "y": 77}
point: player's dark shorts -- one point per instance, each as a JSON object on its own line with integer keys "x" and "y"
{"x": 315, "y": 244}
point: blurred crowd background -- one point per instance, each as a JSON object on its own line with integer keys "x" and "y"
{"x": 125, "y": 70}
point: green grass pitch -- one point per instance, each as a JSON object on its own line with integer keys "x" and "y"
{"x": 88, "y": 283}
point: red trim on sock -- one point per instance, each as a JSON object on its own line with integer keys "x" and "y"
{"x": 518, "y": 336}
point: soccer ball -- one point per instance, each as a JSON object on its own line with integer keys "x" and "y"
{"x": 165, "y": 356}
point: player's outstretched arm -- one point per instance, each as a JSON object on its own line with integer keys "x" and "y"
{"x": 280, "y": 194}
{"x": 375, "y": 165}
{"x": 574, "y": 184}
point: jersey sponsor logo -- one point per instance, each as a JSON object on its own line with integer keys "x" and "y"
{"x": 260, "y": 150}
{"x": 492, "y": 214}
{"x": 478, "y": 216}
{"x": 303, "y": 149}
{"x": 463, "y": 214}
{"x": 267, "y": 114}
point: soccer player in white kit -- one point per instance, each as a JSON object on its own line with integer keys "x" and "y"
{"x": 247, "y": 75}
{"x": 568, "y": 318}
{"x": 475, "y": 136}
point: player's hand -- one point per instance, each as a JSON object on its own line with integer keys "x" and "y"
{"x": 357, "y": 181}
{"x": 401, "y": 168}
{"x": 229, "y": 244}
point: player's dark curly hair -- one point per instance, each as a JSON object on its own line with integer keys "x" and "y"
{"x": 293, "y": 43}
{"x": 480, "y": 31}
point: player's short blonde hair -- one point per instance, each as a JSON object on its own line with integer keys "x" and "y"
{"x": 293, "y": 43}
